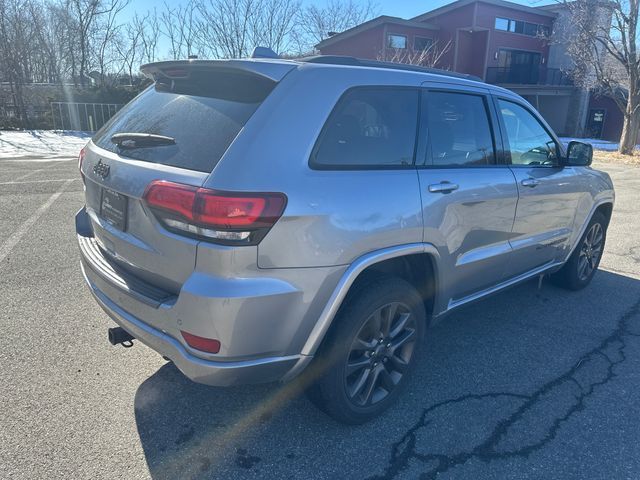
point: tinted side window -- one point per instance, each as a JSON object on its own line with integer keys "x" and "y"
{"x": 459, "y": 129}
{"x": 370, "y": 127}
{"x": 527, "y": 140}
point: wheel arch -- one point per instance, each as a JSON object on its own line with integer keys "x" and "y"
{"x": 392, "y": 260}
{"x": 605, "y": 207}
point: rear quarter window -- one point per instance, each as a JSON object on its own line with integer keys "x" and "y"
{"x": 203, "y": 113}
{"x": 370, "y": 127}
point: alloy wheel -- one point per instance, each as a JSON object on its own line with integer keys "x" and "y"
{"x": 380, "y": 354}
{"x": 590, "y": 251}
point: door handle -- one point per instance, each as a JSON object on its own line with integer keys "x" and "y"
{"x": 530, "y": 182}
{"x": 443, "y": 187}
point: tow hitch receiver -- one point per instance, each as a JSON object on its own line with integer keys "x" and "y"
{"x": 119, "y": 336}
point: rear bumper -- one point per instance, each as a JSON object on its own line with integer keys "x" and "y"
{"x": 197, "y": 369}
{"x": 156, "y": 321}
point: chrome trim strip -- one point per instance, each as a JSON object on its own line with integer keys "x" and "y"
{"x": 520, "y": 278}
{"x": 484, "y": 253}
{"x": 302, "y": 363}
{"x": 546, "y": 238}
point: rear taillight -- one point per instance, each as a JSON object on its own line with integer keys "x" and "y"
{"x": 80, "y": 160}
{"x": 229, "y": 218}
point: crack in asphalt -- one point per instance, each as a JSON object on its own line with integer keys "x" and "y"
{"x": 405, "y": 450}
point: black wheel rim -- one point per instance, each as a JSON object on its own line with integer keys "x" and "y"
{"x": 380, "y": 354}
{"x": 590, "y": 251}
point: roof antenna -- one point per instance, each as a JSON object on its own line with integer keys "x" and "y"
{"x": 264, "y": 52}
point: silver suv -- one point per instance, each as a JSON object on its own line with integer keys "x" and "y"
{"x": 248, "y": 219}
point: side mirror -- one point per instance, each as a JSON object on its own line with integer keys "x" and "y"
{"x": 579, "y": 154}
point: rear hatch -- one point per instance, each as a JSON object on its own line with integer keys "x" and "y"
{"x": 177, "y": 130}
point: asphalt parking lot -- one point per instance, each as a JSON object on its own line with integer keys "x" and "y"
{"x": 531, "y": 383}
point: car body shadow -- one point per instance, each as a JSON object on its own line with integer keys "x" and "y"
{"x": 497, "y": 379}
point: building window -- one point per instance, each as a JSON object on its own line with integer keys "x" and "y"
{"x": 397, "y": 41}
{"x": 530, "y": 29}
{"x": 519, "y": 26}
{"x": 524, "y": 28}
{"x": 502, "y": 24}
{"x": 420, "y": 44}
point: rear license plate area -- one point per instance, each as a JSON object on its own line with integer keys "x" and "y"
{"x": 113, "y": 208}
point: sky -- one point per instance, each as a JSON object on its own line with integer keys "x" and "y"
{"x": 394, "y": 8}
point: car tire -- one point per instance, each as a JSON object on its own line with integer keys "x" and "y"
{"x": 583, "y": 263}
{"x": 360, "y": 374}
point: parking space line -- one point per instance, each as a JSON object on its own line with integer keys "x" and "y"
{"x": 26, "y": 175}
{"x": 38, "y": 160}
{"x": 14, "y": 182}
{"x": 12, "y": 241}
{"x": 33, "y": 172}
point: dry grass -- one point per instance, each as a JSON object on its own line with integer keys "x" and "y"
{"x": 615, "y": 157}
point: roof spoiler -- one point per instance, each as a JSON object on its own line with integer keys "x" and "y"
{"x": 271, "y": 70}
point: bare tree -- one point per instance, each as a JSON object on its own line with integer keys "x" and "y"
{"x": 84, "y": 13}
{"x": 148, "y": 29}
{"x": 314, "y": 23}
{"x": 232, "y": 28}
{"x": 19, "y": 64}
{"x": 428, "y": 57}
{"x": 44, "y": 66}
{"x": 604, "y": 47}
{"x": 225, "y": 26}
{"x": 275, "y": 25}
{"x": 130, "y": 48}
{"x": 180, "y": 26}
{"x": 106, "y": 38}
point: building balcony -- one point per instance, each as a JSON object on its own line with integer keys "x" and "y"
{"x": 527, "y": 75}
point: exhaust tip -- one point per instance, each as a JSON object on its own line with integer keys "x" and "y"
{"x": 119, "y": 336}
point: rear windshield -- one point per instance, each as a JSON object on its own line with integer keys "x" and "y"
{"x": 202, "y": 113}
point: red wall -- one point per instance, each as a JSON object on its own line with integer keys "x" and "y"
{"x": 485, "y": 17}
{"x": 478, "y": 53}
{"x": 370, "y": 43}
{"x": 449, "y": 22}
{"x": 473, "y": 49}
{"x": 464, "y": 44}
{"x": 367, "y": 44}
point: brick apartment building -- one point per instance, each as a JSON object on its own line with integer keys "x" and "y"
{"x": 503, "y": 43}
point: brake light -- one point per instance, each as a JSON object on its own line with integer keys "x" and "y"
{"x": 230, "y": 218}
{"x": 209, "y": 345}
{"x": 172, "y": 197}
{"x": 176, "y": 72}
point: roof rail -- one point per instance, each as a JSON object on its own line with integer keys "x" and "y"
{"x": 360, "y": 62}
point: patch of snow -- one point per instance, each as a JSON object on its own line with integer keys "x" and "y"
{"x": 42, "y": 143}
{"x": 597, "y": 143}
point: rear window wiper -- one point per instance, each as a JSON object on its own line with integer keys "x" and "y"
{"x": 141, "y": 140}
